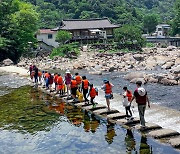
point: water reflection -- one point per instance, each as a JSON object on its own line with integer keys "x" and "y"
{"x": 129, "y": 141}
{"x": 110, "y": 132}
{"x": 32, "y": 112}
{"x": 144, "y": 147}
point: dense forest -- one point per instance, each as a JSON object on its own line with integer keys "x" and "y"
{"x": 20, "y": 19}
{"x": 118, "y": 11}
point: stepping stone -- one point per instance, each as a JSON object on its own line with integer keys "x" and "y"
{"x": 161, "y": 133}
{"x": 116, "y": 116}
{"x": 149, "y": 126}
{"x": 112, "y": 111}
{"x": 100, "y": 111}
{"x": 127, "y": 122}
{"x": 98, "y": 106}
{"x": 175, "y": 142}
{"x": 80, "y": 104}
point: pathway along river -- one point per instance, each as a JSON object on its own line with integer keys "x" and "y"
{"x": 32, "y": 122}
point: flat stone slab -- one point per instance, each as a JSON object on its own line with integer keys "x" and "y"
{"x": 80, "y": 104}
{"x": 175, "y": 142}
{"x": 90, "y": 107}
{"x": 100, "y": 111}
{"x": 161, "y": 133}
{"x": 127, "y": 122}
{"x": 149, "y": 126}
{"x": 116, "y": 115}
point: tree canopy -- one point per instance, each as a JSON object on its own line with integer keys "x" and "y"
{"x": 176, "y": 21}
{"x": 18, "y": 22}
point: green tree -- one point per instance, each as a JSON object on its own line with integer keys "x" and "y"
{"x": 176, "y": 21}
{"x": 128, "y": 34}
{"x": 63, "y": 36}
{"x": 150, "y": 22}
{"x": 18, "y": 22}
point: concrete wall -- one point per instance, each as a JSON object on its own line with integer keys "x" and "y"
{"x": 49, "y": 41}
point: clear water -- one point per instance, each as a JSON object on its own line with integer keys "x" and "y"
{"x": 168, "y": 96}
{"x": 32, "y": 122}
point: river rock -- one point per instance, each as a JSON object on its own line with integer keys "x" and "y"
{"x": 7, "y": 62}
{"x": 166, "y": 82}
{"x": 111, "y": 69}
{"x": 138, "y": 57}
{"x": 77, "y": 66}
{"x": 168, "y": 65}
{"x": 138, "y": 79}
{"x": 133, "y": 75}
{"x": 161, "y": 60}
{"x": 176, "y": 70}
{"x": 96, "y": 73}
{"x": 152, "y": 80}
{"x": 171, "y": 48}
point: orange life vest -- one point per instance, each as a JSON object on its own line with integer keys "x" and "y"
{"x": 129, "y": 95}
{"x": 47, "y": 75}
{"x": 108, "y": 89}
{"x": 93, "y": 92}
{"x": 60, "y": 80}
{"x": 39, "y": 74}
{"x": 86, "y": 83}
{"x": 55, "y": 78}
{"x": 73, "y": 84}
{"x": 78, "y": 79}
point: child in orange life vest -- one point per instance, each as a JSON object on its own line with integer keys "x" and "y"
{"x": 78, "y": 80}
{"x": 60, "y": 84}
{"x": 55, "y": 80}
{"x": 40, "y": 77}
{"x": 127, "y": 96}
{"x": 73, "y": 88}
{"x": 93, "y": 93}
{"x": 85, "y": 87}
{"x": 107, "y": 87}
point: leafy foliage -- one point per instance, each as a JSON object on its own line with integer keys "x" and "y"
{"x": 176, "y": 21}
{"x": 150, "y": 22}
{"x": 19, "y": 24}
{"x": 118, "y": 11}
{"x": 63, "y": 36}
{"x": 65, "y": 50}
{"x": 129, "y": 34}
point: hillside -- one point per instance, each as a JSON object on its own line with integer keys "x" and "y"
{"x": 118, "y": 11}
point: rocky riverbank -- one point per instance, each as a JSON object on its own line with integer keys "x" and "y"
{"x": 154, "y": 65}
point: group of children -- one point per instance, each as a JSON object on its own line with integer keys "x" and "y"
{"x": 78, "y": 87}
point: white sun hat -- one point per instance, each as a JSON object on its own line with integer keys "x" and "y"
{"x": 68, "y": 71}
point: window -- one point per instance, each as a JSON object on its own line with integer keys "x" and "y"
{"x": 50, "y": 36}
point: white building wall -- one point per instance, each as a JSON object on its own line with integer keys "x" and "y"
{"x": 49, "y": 41}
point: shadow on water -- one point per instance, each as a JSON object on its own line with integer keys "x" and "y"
{"x": 50, "y": 122}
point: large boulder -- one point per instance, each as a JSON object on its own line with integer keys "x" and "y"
{"x": 96, "y": 73}
{"x": 171, "y": 48}
{"x": 150, "y": 63}
{"x": 176, "y": 70}
{"x": 138, "y": 57}
{"x": 161, "y": 60}
{"x": 7, "y": 62}
{"x": 138, "y": 79}
{"x": 166, "y": 81}
{"x": 168, "y": 65}
{"x": 133, "y": 75}
{"x": 77, "y": 66}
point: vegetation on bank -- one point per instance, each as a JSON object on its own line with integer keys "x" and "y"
{"x": 19, "y": 23}
{"x": 20, "y": 19}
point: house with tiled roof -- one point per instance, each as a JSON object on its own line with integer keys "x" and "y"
{"x": 48, "y": 37}
{"x": 81, "y": 29}
{"x": 88, "y": 28}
